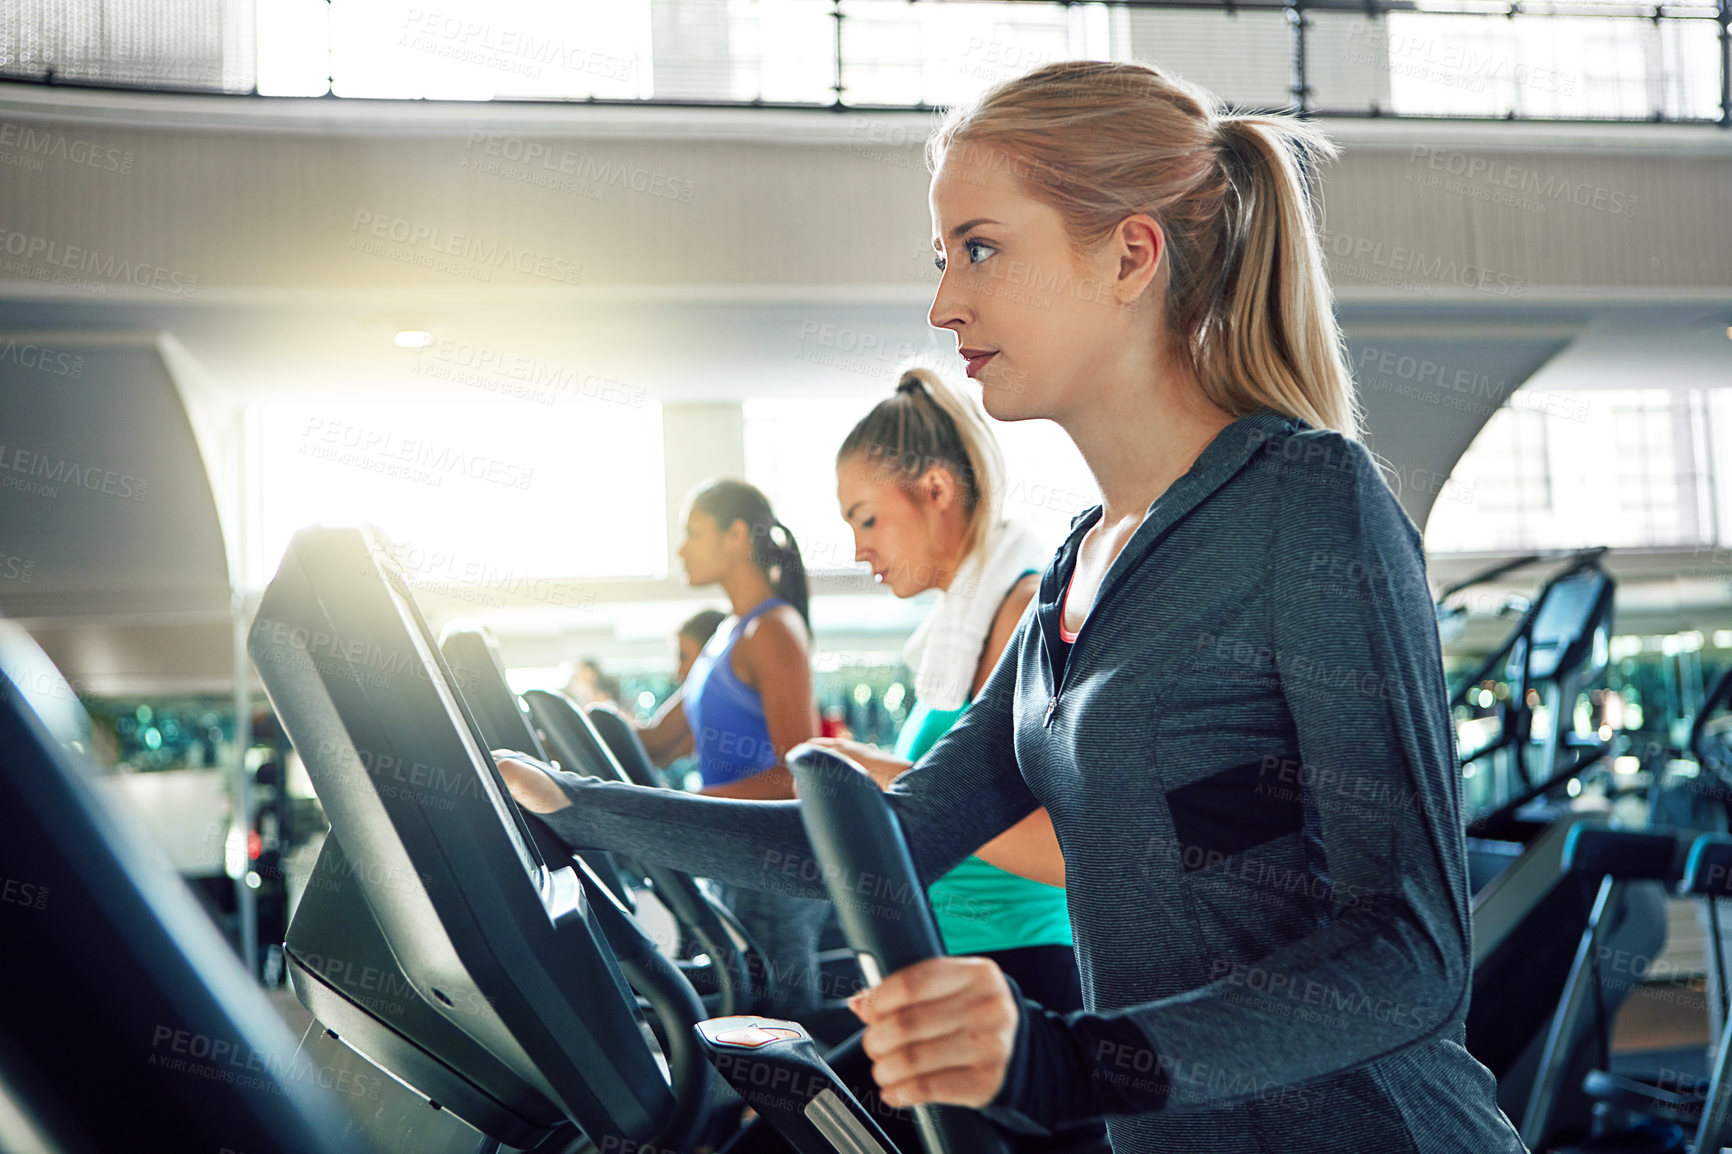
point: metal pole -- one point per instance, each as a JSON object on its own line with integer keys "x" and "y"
{"x": 240, "y": 615}
{"x": 1301, "y": 76}
{"x": 1725, "y": 22}
{"x": 836, "y": 14}
{"x": 241, "y": 824}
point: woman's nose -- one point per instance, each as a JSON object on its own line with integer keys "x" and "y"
{"x": 947, "y": 306}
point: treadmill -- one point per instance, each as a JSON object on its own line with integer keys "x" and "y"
{"x": 504, "y": 722}
{"x": 1529, "y": 911}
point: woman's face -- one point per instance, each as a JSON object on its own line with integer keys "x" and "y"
{"x": 905, "y": 539}
{"x": 1036, "y": 321}
{"x": 704, "y": 552}
{"x": 689, "y": 650}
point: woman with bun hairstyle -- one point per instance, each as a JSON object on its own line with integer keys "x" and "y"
{"x": 1229, "y": 694}
{"x": 746, "y": 700}
{"x": 919, "y": 481}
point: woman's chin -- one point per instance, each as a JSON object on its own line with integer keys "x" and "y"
{"x": 1012, "y": 396}
{"x": 895, "y": 583}
{"x": 998, "y": 401}
{"x": 906, "y": 587}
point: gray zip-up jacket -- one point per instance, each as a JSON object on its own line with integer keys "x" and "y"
{"x": 1248, "y": 759}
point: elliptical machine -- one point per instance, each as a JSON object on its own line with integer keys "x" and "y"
{"x": 448, "y": 939}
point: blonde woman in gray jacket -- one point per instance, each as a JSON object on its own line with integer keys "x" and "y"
{"x": 1229, "y": 697}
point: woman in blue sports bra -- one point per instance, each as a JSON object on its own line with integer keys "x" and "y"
{"x": 747, "y": 700}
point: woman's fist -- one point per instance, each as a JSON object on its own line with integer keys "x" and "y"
{"x": 939, "y": 1031}
{"x": 530, "y": 783}
{"x": 883, "y": 768}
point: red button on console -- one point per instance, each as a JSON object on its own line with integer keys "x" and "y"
{"x": 751, "y": 1037}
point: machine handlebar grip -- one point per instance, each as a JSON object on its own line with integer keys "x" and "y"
{"x": 880, "y": 904}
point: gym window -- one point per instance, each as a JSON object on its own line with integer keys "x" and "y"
{"x": 482, "y": 501}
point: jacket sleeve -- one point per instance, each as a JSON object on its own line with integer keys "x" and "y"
{"x": 963, "y": 793}
{"x": 1387, "y": 967}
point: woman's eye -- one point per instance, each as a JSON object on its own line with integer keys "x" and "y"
{"x": 868, "y": 522}
{"x": 977, "y": 250}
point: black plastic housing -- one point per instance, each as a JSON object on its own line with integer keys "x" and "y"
{"x": 505, "y": 1003}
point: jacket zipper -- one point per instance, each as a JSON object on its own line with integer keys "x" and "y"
{"x": 1101, "y": 597}
{"x": 1069, "y": 663}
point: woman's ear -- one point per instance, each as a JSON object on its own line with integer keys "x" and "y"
{"x": 937, "y": 487}
{"x": 1138, "y": 246}
{"x": 737, "y": 539}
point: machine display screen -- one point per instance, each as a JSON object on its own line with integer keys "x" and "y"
{"x": 491, "y": 783}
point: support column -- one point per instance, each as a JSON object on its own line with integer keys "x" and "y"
{"x": 698, "y": 442}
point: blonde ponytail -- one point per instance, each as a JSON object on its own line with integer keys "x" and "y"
{"x": 1269, "y": 338}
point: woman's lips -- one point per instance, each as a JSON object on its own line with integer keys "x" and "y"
{"x": 975, "y": 358}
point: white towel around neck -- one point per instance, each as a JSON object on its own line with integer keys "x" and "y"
{"x": 944, "y": 651}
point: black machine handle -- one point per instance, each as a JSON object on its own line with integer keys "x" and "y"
{"x": 623, "y": 742}
{"x": 1602, "y": 851}
{"x": 571, "y": 736}
{"x": 880, "y": 904}
{"x": 775, "y": 1066}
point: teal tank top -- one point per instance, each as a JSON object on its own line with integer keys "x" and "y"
{"x": 979, "y": 907}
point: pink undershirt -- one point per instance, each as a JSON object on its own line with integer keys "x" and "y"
{"x": 1064, "y": 634}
